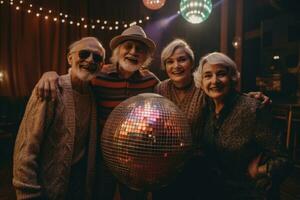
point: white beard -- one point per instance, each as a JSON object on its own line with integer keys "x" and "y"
{"x": 128, "y": 67}
{"x": 84, "y": 75}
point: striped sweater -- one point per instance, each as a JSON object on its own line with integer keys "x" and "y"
{"x": 110, "y": 90}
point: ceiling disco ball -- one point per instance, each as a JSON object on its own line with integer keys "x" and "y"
{"x": 154, "y": 4}
{"x": 195, "y": 11}
{"x": 145, "y": 141}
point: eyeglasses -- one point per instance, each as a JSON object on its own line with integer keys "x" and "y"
{"x": 84, "y": 54}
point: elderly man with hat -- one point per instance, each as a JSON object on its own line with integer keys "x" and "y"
{"x": 125, "y": 77}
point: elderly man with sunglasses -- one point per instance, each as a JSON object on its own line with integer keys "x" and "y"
{"x": 55, "y": 150}
{"x": 124, "y": 78}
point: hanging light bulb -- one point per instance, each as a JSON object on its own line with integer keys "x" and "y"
{"x": 195, "y": 11}
{"x": 154, "y": 4}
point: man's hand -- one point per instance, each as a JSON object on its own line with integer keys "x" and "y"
{"x": 261, "y": 97}
{"x": 47, "y": 85}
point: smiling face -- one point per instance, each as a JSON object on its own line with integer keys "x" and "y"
{"x": 132, "y": 55}
{"x": 179, "y": 67}
{"x": 85, "y": 59}
{"x": 216, "y": 81}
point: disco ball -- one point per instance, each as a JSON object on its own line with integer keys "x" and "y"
{"x": 154, "y": 4}
{"x": 145, "y": 141}
{"x": 195, "y": 11}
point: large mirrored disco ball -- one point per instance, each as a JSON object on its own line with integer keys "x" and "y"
{"x": 146, "y": 141}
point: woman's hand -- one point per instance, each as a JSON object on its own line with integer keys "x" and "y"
{"x": 47, "y": 85}
{"x": 255, "y": 169}
{"x": 261, "y": 97}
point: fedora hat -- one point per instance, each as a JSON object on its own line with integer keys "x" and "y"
{"x": 136, "y": 33}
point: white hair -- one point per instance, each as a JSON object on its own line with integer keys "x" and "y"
{"x": 217, "y": 58}
{"x": 115, "y": 57}
{"x": 171, "y": 47}
{"x": 74, "y": 44}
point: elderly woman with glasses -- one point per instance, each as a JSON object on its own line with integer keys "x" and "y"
{"x": 241, "y": 154}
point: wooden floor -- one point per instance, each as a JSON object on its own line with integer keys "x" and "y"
{"x": 290, "y": 189}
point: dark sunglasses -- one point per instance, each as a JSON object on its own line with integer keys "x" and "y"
{"x": 84, "y": 54}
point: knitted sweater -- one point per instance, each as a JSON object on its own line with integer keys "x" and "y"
{"x": 110, "y": 90}
{"x": 44, "y": 147}
{"x": 191, "y": 105}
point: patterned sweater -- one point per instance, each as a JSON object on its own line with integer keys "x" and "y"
{"x": 191, "y": 105}
{"x": 45, "y": 144}
{"x": 239, "y": 134}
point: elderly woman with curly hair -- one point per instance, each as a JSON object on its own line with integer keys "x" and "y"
{"x": 242, "y": 155}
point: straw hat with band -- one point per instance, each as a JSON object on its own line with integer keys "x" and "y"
{"x": 136, "y": 33}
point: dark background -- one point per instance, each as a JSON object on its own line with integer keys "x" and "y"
{"x": 31, "y": 45}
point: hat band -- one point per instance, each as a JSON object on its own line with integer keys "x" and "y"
{"x": 136, "y": 35}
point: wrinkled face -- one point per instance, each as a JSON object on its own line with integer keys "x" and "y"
{"x": 179, "y": 67}
{"x": 132, "y": 55}
{"x": 216, "y": 81}
{"x": 85, "y": 59}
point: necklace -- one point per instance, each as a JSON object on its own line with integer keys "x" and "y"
{"x": 182, "y": 92}
{"x": 186, "y": 87}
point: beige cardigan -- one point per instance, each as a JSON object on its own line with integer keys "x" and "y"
{"x": 44, "y": 147}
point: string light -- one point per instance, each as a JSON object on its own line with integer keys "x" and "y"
{"x": 1, "y": 76}
{"x": 46, "y": 14}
